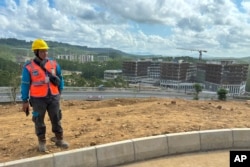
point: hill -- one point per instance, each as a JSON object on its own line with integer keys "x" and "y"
{"x": 14, "y": 47}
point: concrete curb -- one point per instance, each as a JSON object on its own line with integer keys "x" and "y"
{"x": 140, "y": 149}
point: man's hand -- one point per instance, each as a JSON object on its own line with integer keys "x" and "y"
{"x": 26, "y": 108}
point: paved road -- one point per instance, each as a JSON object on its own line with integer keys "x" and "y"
{"x": 203, "y": 159}
{"x": 80, "y": 95}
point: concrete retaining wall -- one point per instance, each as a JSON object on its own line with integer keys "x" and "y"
{"x": 134, "y": 150}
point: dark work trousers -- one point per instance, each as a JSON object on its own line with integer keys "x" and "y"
{"x": 51, "y": 104}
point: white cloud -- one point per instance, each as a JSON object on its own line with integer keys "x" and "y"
{"x": 215, "y": 25}
{"x": 246, "y": 6}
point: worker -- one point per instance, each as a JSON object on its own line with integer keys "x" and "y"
{"x": 41, "y": 86}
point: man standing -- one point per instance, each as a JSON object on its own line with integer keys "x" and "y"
{"x": 41, "y": 85}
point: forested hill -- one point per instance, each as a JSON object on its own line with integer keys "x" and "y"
{"x": 12, "y": 46}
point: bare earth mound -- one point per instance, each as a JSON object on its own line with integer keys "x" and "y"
{"x": 88, "y": 123}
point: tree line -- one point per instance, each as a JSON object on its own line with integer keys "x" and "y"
{"x": 13, "y": 51}
{"x": 91, "y": 73}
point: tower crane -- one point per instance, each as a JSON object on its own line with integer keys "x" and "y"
{"x": 200, "y": 51}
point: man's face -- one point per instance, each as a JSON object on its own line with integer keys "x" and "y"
{"x": 43, "y": 53}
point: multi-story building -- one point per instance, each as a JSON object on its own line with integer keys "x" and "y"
{"x": 153, "y": 77}
{"x": 165, "y": 74}
{"x": 227, "y": 75}
{"x": 135, "y": 71}
{"x": 78, "y": 58}
{"x": 85, "y": 58}
{"x": 177, "y": 75}
{"x": 183, "y": 75}
{"x": 154, "y": 70}
{"x": 201, "y": 72}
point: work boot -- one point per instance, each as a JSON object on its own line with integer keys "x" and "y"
{"x": 62, "y": 144}
{"x": 42, "y": 143}
{"x": 59, "y": 141}
{"x": 42, "y": 146}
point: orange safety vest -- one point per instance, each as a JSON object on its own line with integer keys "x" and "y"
{"x": 39, "y": 86}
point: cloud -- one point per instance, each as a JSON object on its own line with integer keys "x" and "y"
{"x": 138, "y": 26}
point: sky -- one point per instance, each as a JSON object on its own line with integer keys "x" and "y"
{"x": 158, "y": 27}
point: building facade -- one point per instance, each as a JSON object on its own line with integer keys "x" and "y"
{"x": 182, "y": 75}
{"x": 77, "y": 58}
{"x": 227, "y": 75}
{"x": 112, "y": 74}
{"x": 135, "y": 71}
{"x": 177, "y": 75}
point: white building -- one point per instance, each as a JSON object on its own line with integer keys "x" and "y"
{"x": 112, "y": 74}
{"x": 78, "y": 58}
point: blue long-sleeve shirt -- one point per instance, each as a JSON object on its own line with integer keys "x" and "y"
{"x": 26, "y": 81}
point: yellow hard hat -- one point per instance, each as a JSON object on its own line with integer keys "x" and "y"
{"x": 39, "y": 44}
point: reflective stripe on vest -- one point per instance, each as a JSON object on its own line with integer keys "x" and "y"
{"x": 39, "y": 86}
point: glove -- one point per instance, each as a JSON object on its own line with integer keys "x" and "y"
{"x": 26, "y": 108}
{"x": 54, "y": 80}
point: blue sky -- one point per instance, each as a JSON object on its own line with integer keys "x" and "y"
{"x": 222, "y": 27}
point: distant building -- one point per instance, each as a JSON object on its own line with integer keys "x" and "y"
{"x": 177, "y": 75}
{"x": 112, "y": 74}
{"x": 154, "y": 70}
{"x": 182, "y": 75}
{"x": 227, "y": 75}
{"x": 201, "y": 72}
{"x": 85, "y": 58}
{"x": 135, "y": 71}
{"x": 78, "y": 58}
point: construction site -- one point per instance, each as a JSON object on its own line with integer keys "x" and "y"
{"x": 181, "y": 75}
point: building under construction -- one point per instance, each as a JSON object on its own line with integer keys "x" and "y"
{"x": 165, "y": 74}
{"x": 154, "y": 70}
{"x": 135, "y": 71}
{"x": 227, "y": 75}
{"x": 177, "y": 75}
{"x": 183, "y": 75}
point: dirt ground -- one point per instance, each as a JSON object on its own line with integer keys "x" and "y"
{"x": 88, "y": 123}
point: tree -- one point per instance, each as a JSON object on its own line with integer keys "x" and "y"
{"x": 94, "y": 82}
{"x": 198, "y": 89}
{"x": 222, "y": 94}
{"x": 74, "y": 80}
{"x": 15, "y": 82}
